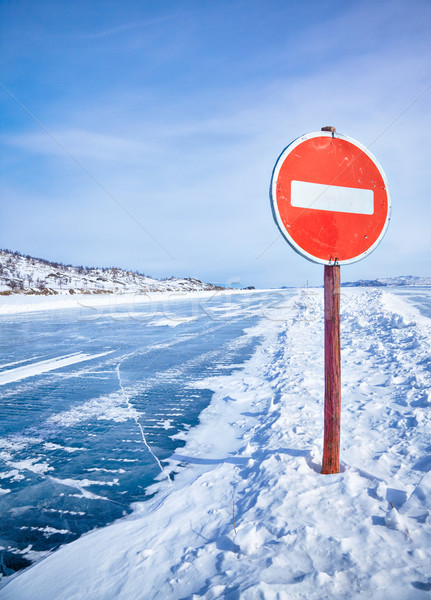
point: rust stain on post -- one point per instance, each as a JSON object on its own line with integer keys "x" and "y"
{"x": 331, "y": 441}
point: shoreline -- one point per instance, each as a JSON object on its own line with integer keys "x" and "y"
{"x": 28, "y": 303}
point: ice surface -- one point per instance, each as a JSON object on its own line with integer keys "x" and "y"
{"x": 43, "y": 366}
{"x": 249, "y": 516}
{"x": 80, "y": 440}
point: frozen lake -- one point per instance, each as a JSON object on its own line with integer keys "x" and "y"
{"x": 91, "y": 400}
{"x": 420, "y": 297}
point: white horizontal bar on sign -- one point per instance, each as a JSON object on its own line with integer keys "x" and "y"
{"x": 335, "y": 198}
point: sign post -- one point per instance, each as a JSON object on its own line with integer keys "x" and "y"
{"x": 331, "y": 435}
{"x": 330, "y": 200}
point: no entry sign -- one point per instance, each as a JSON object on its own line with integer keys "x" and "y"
{"x": 330, "y": 198}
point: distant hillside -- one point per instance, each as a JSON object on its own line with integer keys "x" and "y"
{"x": 23, "y": 274}
{"x": 402, "y": 280}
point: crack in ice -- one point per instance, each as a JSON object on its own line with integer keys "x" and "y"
{"x": 134, "y": 416}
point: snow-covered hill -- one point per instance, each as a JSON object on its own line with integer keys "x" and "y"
{"x": 402, "y": 280}
{"x": 28, "y": 275}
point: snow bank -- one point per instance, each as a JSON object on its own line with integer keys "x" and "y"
{"x": 25, "y": 303}
{"x": 249, "y": 515}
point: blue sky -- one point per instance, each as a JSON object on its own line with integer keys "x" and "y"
{"x": 143, "y": 134}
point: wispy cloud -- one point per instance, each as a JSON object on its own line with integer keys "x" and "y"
{"x": 82, "y": 143}
{"x": 139, "y": 24}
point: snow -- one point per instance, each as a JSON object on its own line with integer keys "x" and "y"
{"x": 105, "y": 304}
{"x": 248, "y": 514}
{"x": 172, "y": 321}
{"x": 44, "y": 366}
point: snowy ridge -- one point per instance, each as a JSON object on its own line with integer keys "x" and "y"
{"x": 29, "y": 275}
{"x": 402, "y": 280}
{"x": 248, "y": 515}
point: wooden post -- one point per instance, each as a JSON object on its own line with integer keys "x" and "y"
{"x": 331, "y": 441}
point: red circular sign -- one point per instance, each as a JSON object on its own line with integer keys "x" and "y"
{"x": 330, "y": 198}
